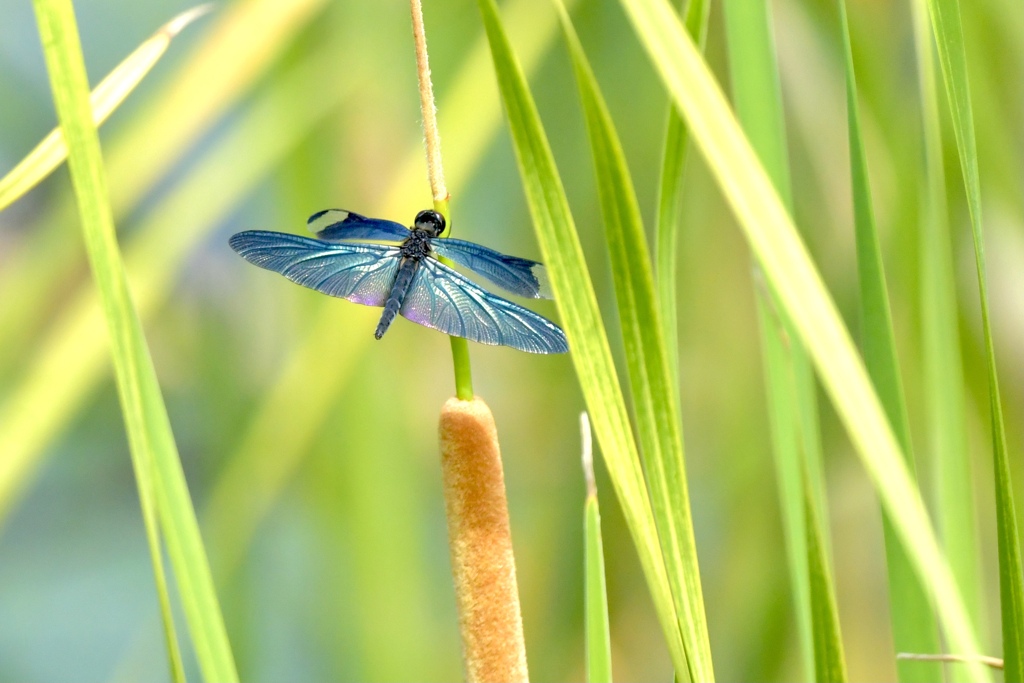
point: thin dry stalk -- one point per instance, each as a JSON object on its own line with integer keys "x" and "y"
{"x": 431, "y": 138}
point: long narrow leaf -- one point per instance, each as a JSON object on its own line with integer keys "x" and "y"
{"x": 913, "y": 625}
{"x": 652, "y": 385}
{"x": 242, "y": 40}
{"x": 598, "y": 636}
{"x": 599, "y": 654}
{"x": 69, "y": 363}
{"x": 670, "y": 185}
{"x": 941, "y": 357}
{"x": 577, "y": 304}
{"x": 789, "y": 380}
{"x": 829, "y": 661}
{"x": 949, "y": 38}
{"x": 146, "y": 421}
{"x": 786, "y": 426}
{"x": 801, "y": 292}
{"x": 106, "y": 97}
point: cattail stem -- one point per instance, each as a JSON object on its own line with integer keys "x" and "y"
{"x": 431, "y": 138}
{"x": 481, "y": 544}
{"x": 435, "y": 172}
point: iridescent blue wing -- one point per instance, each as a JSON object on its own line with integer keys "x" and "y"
{"x": 444, "y": 300}
{"x": 363, "y": 273}
{"x": 338, "y": 224}
{"x": 517, "y": 275}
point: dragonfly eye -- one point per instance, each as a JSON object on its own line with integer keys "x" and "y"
{"x": 431, "y": 222}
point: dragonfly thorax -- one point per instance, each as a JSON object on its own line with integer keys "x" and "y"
{"x": 417, "y": 245}
{"x": 428, "y": 224}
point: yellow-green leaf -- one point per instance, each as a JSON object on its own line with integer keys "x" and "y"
{"x": 788, "y": 267}
{"x": 160, "y": 478}
{"x": 651, "y": 382}
{"x": 577, "y": 304}
{"x": 106, "y": 97}
{"x": 829, "y": 660}
{"x": 949, "y": 38}
{"x": 913, "y": 625}
{"x": 598, "y": 635}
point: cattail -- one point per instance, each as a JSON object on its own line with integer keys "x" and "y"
{"x": 481, "y": 544}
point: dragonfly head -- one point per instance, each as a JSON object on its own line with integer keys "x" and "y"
{"x": 430, "y": 222}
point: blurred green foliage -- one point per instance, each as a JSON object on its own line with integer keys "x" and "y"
{"x": 335, "y": 563}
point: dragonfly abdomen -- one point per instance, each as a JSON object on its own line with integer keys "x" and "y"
{"x": 397, "y": 295}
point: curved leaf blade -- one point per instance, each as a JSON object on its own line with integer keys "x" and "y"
{"x": 598, "y": 636}
{"x": 68, "y": 364}
{"x": 149, "y": 431}
{"x": 790, "y": 386}
{"x": 829, "y": 660}
{"x": 577, "y": 304}
{"x": 949, "y": 38}
{"x": 651, "y": 383}
{"x": 105, "y": 98}
{"x": 941, "y": 357}
{"x": 670, "y": 186}
{"x": 242, "y": 42}
{"x": 788, "y": 267}
{"x": 913, "y": 625}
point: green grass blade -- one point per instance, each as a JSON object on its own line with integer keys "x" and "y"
{"x": 598, "y": 633}
{"x": 758, "y": 95}
{"x": 105, "y": 98}
{"x": 242, "y": 40}
{"x": 69, "y": 363}
{"x": 829, "y": 661}
{"x": 941, "y": 357}
{"x": 949, "y": 38}
{"x": 803, "y": 296}
{"x": 789, "y": 379}
{"x": 670, "y": 190}
{"x": 577, "y": 304}
{"x": 913, "y": 626}
{"x": 599, "y": 655}
{"x": 756, "y": 90}
{"x": 786, "y": 426}
{"x": 666, "y": 230}
{"x": 239, "y": 47}
{"x": 149, "y": 431}
{"x": 652, "y": 385}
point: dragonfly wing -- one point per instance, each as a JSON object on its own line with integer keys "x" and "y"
{"x": 517, "y": 275}
{"x": 444, "y": 300}
{"x": 362, "y": 273}
{"x": 338, "y": 224}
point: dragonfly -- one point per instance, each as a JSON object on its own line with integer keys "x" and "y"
{"x": 377, "y": 262}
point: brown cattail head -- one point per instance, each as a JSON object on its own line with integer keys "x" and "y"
{"x": 481, "y": 544}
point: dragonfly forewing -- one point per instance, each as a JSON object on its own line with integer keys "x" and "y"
{"x": 361, "y": 273}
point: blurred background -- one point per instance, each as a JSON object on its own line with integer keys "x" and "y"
{"x": 311, "y": 449}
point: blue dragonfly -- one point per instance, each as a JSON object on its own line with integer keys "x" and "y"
{"x": 375, "y": 262}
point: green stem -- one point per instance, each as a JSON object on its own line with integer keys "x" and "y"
{"x": 432, "y": 140}
{"x": 463, "y": 375}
